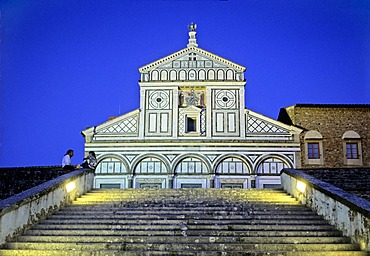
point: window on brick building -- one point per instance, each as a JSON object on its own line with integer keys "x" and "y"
{"x": 313, "y": 148}
{"x": 352, "y": 149}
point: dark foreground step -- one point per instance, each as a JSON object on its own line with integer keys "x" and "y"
{"x": 140, "y": 226}
{"x": 187, "y": 247}
{"x": 184, "y": 239}
{"x": 173, "y": 253}
{"x": 164, "y": 221}
{"x": 159, "y": 216}
{"x": 251, "y": 233}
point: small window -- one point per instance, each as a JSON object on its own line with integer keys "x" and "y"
{"x": 190, "y": 185}
{"x": 110, "y": 185}
{"x": 191, "y": 124}
{"x": 150, "y": 185}
{"x": 190, "y": 121}
{"x": 313, "y": 150}
{"x": 232, "y": 185}
{"x": 352, "y": 150}
{"x": 272, "y": 186}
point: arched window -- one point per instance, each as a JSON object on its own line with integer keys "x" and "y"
{"x": 110, "y": 165}
{"x": 150, "y": 165}
{"x": 232, "y": 165}
{"x": 352, "y": 148}
{"x": 211, "y": 75}
{"x": 154, "y": 75}
{"x": 220, "y": 75}
{"x": 313, "y": 148}
{"x": 191, "y": 165}
{"x": 229, "y": 74}
{"x": 202, "y": 75}
{"x": 173, "y": 75}
{"x": 163, "y": 75}
{"x": 192, "y": 75}
{"x": 182, "y": 75}
{"x": 271, "y": 165}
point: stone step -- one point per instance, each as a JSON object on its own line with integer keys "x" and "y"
{"x": 184, "y": 222}
{"x": 185, "y": 211}
{"x": 212, "y": 197}
{"x": 169, "y": 194}
{"x": 175, "y": 203}
{"x": 184, "y": 227}
{"x": 148, "y": 217}
{"x": 119, "y": 246}
{"x": 173, "y": 253}
{"x": 166, "y": 221}
{"x": 183, "y": 239}
{"x": 177, "y": 198}
{"x": 202, "y": 191}
{"x": 188, "y": 191}
{"x": 278, "y": 209}
{"x": 238, "y": 233}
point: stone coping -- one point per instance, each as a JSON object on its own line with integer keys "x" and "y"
{"x": 13, "y": 202}
{"x": 351, "y": 200}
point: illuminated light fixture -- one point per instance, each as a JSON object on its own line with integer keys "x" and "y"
{"x": 301, "y": 186}
{"x": 70, "y": 186}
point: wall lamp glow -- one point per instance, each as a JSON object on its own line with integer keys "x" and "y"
{"x": 301, "y": 187}
{"x": 70, "y": 186}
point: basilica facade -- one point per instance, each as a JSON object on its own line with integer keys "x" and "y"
{"x": 192, "y": 130}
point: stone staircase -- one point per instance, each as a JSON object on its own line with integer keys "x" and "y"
{"x": 184, "y": 222}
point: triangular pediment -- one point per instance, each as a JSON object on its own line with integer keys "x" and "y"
{"x": 257, "y": 124}
{"x": 125, "y": 125}
{"x": 190, "y": 58}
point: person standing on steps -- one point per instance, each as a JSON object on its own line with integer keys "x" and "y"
{"x": 66, "y": 161}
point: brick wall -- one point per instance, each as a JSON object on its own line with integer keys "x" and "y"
{"x": 332, "y": 121}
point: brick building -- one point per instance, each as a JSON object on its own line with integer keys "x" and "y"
{"x": 334, "y": 135}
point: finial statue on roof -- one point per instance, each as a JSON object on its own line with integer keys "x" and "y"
{"x": 192, "y": 40}
{"x": 192, "y": 27}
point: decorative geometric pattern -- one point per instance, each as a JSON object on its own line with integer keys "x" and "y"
{"x": 203, "y": 122}
{"x": 191, "y": 165}
{"x": 159, "y": 100}
{"x": 256, "y": 125}
{"x": 271, "y": 166}
{"x": 232, "y": 166}
{"x": 110, "y": 166}
{"x": 181, "y": 122}
{"x": 128, "y": 125}
{"x": 225, "y": 99}
{"x": 151, "y": 165}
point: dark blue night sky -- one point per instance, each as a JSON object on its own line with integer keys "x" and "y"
{"x": 68, "y": 65}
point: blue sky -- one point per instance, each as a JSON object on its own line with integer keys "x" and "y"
{"x": 68, "y": 65}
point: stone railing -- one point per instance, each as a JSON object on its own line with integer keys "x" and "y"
{"x": 23, "y": 210}
{"x": 348, "y": 212}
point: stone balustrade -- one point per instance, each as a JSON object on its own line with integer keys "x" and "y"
{"x": 348, "y": 212}
{"x": 23, "y": 210}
